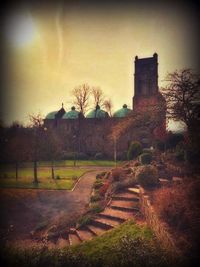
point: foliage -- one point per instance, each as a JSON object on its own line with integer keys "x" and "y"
{"x": 95, "y": 197}
{"x": 179, "y": 206}
{"x": 84, "y": 220}
{"x": 128, "y": 182}
{"x": 96, "y": 208}
{"x": 128, "y": 245}
{"x": 99, "y": 155}
{"x": 160, "y": 145}
{"x": 104, "y": 188}
{"x": 118, "y": 174}
{"x": 135, "y": 149}
{"x": 147, "y": 175}
{"x": 98, "y": 184}
{"x": 122, "y": 155}
{"x": 173, "y": 140}
{"x": 146, "y": 158}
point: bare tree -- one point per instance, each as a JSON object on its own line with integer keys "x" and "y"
{"x": 36, "y": 123}
{"x": 51, "y": 147}
{"x": 107, "y": 104}
{"x": 98, "y": 96}
{"x": 182, "y": 94}
{"x": 81, "y": 96}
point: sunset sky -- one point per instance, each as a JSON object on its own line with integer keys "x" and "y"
{"x": 51, "y": 49}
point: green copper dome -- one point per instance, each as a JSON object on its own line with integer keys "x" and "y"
{"x": 73, "y": 114}
{"x": 51, "y": 115}
{"x": 97, "y": 113}
{"x": 123, "y": 112}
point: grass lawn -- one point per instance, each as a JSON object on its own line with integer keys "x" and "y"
{"x": 127, "y": 245}
{"x": 66, "y": 163}
{"x": 67, "y": 178}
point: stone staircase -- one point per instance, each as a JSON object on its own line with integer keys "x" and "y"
{"x": 122, "y": 207}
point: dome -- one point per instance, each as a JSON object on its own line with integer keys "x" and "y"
{"x": 51, "y": 115}
{"x": 97, "y": 113}
{"x": 73, "y": 114}
{"x": 123, "y": 112}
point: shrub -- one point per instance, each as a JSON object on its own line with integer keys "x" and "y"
{"x": 95, "y": 197}
{"x": 122, "y": 155}
{"x": 68, "y": 155}
{"x": 147, "y": 175}
{"x": 97, "y": 184}
{"x": 57, "y": 177}
{"x": 99, "y": 155}
{"x": 128, "y": 182}
{"x": 160, "y": 145}
{"x": 96, "y": 208}
{"x": 100, "y": 175}
{"x": 135, "y": 149}
{"x": 146, "y": 158}
{"x": 86, "y": 219}
{"x": 178, "y": 206}
{"x": 118, "y": 174}
{"x": 82, "y": 156}
{"x": 104, "y": 188}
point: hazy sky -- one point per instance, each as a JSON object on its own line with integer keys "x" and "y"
{"x": 52, "y": 49}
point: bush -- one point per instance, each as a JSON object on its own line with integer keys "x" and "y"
{"x": 86, "y": 219}
{"x": 147, "y": 175}
{"x": 97, "y": 184}
{"x": 160, "y": 145}
{"x": 95, "y": 197}
{"x": 69, "y": 155}
{"x": 146, "y": 158}
{"x": 178, "y": 206}
{"x": 99, "y": 155}
{"x": 96, "y": 208}
{"x": 82, "y": 156}
{"x": 118, "y": 174}
{"x": 122, "y": 155}
{"x": 128, "y": 182}
{"x": 104, "y": 188}
{"x": 135, "y": 149}
{"x": 57, "y": 177}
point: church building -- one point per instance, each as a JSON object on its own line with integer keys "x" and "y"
{"x": 90, "y": 134}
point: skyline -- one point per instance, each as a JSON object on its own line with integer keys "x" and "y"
{"x": 52, "y": 50}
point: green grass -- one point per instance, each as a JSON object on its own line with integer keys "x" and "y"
{"x": 127, "y": 245}
{"x": 66, "y": 163}
{"x": 68, "y": 177}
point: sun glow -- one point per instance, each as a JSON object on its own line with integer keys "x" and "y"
{"x": 20, "y": 29}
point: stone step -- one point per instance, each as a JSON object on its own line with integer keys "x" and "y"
{"x": 85, "y": 234}
{"x": 62, "y": 242}
{"x": 126, "y": 196}
{"x": 96, "y": 230}
{"x": 117, "y": 214}
{"x": 134, "y": 190}
{"x": 108, "y": 221}
{"x": 124, "y": 203}
{"x": 101, "y": 224}
{"x": 74, "y": 239}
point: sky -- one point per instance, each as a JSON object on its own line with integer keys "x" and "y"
{"x": 53, "y": 48}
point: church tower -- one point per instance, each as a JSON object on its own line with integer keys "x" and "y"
{"x": 145, "y": 78}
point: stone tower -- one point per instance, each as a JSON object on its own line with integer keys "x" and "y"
{"x": 145, "y": 78}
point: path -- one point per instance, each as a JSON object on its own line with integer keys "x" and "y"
{"x": 26, "y": 208}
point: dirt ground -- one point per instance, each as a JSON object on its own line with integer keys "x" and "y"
{"x": 25, "y": 210}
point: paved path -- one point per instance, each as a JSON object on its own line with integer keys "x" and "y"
{"x": 25, "y": 208}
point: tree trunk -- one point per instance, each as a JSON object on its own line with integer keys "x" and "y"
{"x": 16, "y": 170}
{"x": 52, "y": 170}
{"x": 35, "y": 172}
